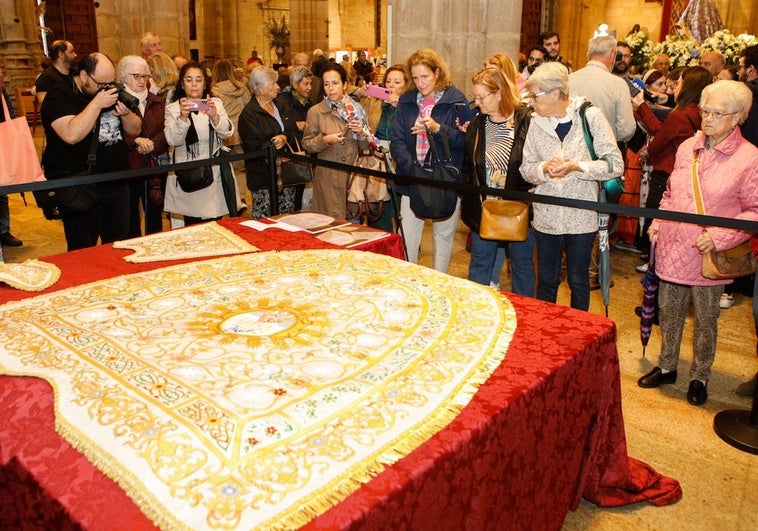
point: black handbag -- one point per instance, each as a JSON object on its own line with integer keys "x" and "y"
{"x": 71, "y": 200}
{"x": 194, "y": 179}
{"x": 293, "y": 173}
{"x": 433, "y": 202}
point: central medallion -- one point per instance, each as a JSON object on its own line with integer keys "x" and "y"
{"x": 260, "y": 322}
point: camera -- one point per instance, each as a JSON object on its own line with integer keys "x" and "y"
{"x": 619, "y": 57}
{"x": 123, "y": 96}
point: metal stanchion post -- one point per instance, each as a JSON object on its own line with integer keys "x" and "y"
{"x": 273, "y": 190}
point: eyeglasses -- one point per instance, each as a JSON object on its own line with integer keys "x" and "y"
{"x": 141, "y": 77}
{"x": 189, "y": 80}
{"x": 99, "y": 85}
{"x": 533, "y": 96}
{"x": 716, "y": 115}
{"x": 480, "y": 99}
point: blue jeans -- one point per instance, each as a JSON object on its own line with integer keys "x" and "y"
{"x": 487, "y": 257}
{"x": 578, "y": 253}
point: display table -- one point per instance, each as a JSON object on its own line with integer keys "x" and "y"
{"x": 543, "y": 431}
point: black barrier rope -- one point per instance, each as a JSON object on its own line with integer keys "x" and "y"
{"x": 611, "y": 208}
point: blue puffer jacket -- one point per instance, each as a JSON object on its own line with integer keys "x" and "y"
{"x": 403, "y": 145}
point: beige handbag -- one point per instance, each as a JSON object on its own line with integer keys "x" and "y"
{"x": 503, "y": 219}
{"x": 729, "y": 263}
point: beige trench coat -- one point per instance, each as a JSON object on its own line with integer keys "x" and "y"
{"x": 330, "y": 186}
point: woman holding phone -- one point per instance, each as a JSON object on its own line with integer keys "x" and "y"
{"x": 196, "y": 124}
{"x": 336, "y": 129}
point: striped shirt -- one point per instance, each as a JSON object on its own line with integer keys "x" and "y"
{"x": 499, "y": 142}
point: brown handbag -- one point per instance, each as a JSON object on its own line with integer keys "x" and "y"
{"x": 730, "y": 263}
{"x": 503, "y": 219}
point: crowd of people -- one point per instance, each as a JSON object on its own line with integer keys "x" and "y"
{"x": 527, "y": 134}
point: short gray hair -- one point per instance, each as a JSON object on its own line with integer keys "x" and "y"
{"x": 601, "y": 46}
{"x": 299, "y": 73}
{"x": 129, "y": 64}
{"x": 548, "y": 77}
{"x": 734, "y": 95}
{"x": 261, "y": 77}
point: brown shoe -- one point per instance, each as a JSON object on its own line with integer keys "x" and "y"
{"x": 748, "y": 388}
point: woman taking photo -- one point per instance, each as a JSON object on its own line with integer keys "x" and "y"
{"x": 557, "y": 161}
{"x": 192, "y": 132}
{"x": 727, "y": 180}
{"x": 145, "y": 148}
{"x": 494, "y": 143}
{"x": 337, "y": 130}
{"x": 381, "y": 114}
{"x": 263, "y": 124}
{"x": 423, "y": 115}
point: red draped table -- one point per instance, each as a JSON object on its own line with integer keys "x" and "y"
{"x": 544, "y": 431}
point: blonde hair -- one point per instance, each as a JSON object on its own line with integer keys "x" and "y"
{"x": 434, "y": 62}
{"x": 163, "y": 71}
{"x": 504, "y": 63}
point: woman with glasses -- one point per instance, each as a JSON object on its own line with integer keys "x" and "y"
{"x": 494, "y": 143}
{"x": 557, "y": 161}
{"x": 423, "y": 115}
{"x": 144, "y": 148}
{"x": 680, "y": 124}
{"x": 196, "y": 125}
{"x": 724, "y": 166}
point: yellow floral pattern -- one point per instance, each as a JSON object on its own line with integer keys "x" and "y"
{"x": 257, "y": 390}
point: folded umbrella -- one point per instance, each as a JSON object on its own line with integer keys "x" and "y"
{"x": 650, "y": 284}
{"x": 604, "y": 261}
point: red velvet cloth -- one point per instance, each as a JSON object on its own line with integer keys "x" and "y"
{"x": 543, "y": 431}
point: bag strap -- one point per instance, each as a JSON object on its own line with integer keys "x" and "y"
{"x": 588, "y": 138}
{"x": 297, "y": 144}
{"x": 5, "y": 109}
{"x": 696, "y": 192}
{"x": 92, "y": 155}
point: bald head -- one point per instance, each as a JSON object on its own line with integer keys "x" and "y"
{"x": 713, "y": 61}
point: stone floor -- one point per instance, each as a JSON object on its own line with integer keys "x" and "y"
{"x": 720, "y": 483}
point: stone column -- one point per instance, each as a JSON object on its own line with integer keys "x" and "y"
{"x": 309, "y": 26}
{"x": 21, "y": 46}
{"x": 464, "y": 33}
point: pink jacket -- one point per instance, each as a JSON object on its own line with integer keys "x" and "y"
{"x": 729, "y": 184}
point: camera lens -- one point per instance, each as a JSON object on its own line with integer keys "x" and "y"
{"x": 618, "y": 56}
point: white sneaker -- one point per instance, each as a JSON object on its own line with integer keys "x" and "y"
{"x": 642, "y": 268}
{"x": 726, "y": 301}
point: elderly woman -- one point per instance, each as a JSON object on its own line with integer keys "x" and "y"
{"x": 336, "y": 129}
{"x": 144, "y": 148}
{"x": 422, "y": 114}
{"x": 263, "y": 123}
{"x": 494, "y": 143}
{"x": 556, "y": 159}
{"x": 196, "y": 134}
{"x": 725, "y": 165}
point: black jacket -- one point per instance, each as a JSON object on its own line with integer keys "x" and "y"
{"x": 257, "y": 128}
{"x": 474, "y": 170}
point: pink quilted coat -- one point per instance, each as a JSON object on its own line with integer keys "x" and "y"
{"x": 729, "y": 184}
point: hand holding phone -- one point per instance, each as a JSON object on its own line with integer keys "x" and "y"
{"x": 465, "y": 112}
{"x": 199, "y": 105}
{"x": 376, "y": 91}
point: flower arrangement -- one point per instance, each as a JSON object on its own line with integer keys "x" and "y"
{"x": 278, "y": 32}
{"x": 728, "y": 44}
{"x": 681, "y": 48}
{"x": 641, "y": 48}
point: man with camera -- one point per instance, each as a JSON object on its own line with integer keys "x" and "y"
{"x": 85, "y": 124}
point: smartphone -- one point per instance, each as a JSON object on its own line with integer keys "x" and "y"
{"x": 199, "y": 105}
{"x": 466, "y": 112}
{"x": 376, "y": 91}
